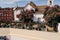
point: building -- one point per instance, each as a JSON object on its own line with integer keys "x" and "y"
{"x": 6, "y": 15}
{"x": 30, "y": 6}
{"x": 50, "y": 3}
{"x": 10, "y": 14}
{"x": 17, "y": 11}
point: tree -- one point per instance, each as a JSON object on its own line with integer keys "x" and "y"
{"x": 27, "y": 15}
{"x": 51, "y": 16}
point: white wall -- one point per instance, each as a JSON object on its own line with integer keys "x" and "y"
{"x": 28, "y": 7}
{"x": 58, "y": 27}
{"x": 16, "y": 12}
{"x": 40, "y": 16}
{"x": 48, "y": 3}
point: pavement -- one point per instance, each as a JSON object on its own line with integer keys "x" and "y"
{"x": 23, "y": 34}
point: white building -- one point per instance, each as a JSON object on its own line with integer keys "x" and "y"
{"x": 30, "y": 6}
{"x": 50, "y": 3}
{"x": 38, "y": 17}
{"x": 17, "y": 11}
{"x": 58, "y": 27}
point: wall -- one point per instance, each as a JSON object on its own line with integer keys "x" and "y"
{"x": 58, "y": 27}
{"x": 38, "y": 16}
{"x": 6, "y": 14}
{"x": 16, "y": 12}
{"x": 28, "y": 7}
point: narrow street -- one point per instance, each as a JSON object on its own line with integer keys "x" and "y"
{"x": 23, "y": 34}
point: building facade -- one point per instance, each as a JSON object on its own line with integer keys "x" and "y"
{"x": 10, "y": 14}
{"x": 50, "y": 3}
{"x": 30, "y": 6}
{"x": 17, "y": 11}
{"x": 6, "y": 15}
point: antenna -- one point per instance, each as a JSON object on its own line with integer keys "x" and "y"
{"x": 16, "y": 4}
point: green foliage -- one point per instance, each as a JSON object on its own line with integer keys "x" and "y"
{"x": 51, "y": 12}
{"x": 27, "y": 15}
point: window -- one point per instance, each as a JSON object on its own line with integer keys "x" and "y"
{"x": 4, "y": 14}
{"x": 7, "y": 15}
{"x": 0, "y": 14}
{"x": 50, "y": 2}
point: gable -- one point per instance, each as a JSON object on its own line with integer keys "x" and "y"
{"x": 30, "y": 5}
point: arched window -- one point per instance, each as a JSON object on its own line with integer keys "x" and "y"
{"x": 50, "y": 2}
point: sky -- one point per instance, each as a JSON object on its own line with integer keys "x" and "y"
{"x": 14, "y": 3}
